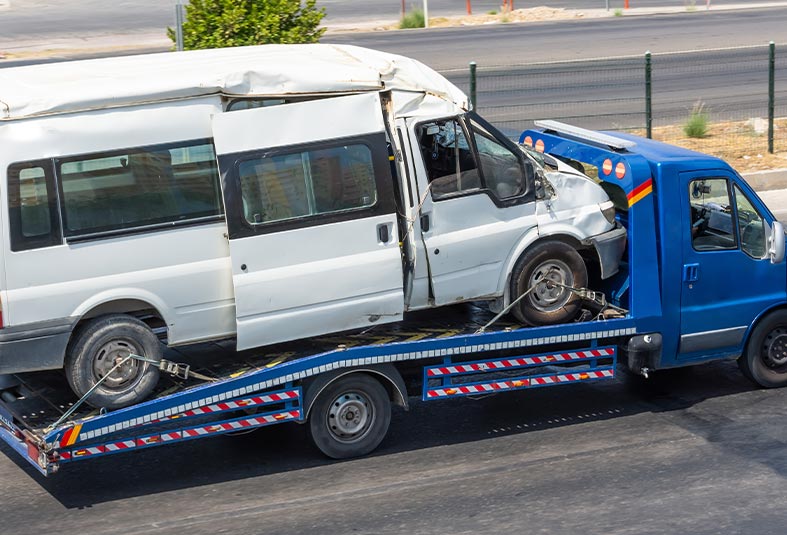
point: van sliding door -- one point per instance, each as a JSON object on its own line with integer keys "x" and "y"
{"x": 311, "y": 216}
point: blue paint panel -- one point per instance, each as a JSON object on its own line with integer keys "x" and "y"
{"x": 290, "y": 371}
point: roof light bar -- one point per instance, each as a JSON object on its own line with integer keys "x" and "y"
{"x": 585, "y": 134}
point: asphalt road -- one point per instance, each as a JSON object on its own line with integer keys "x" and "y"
{"x": 692, "y": 451}
{"x": 24, "y": 18}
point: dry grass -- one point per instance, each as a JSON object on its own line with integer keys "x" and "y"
{"x": 735, "y": 142}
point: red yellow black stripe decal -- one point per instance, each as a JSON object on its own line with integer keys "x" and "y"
{"x": 640, "y": 192}
{"x": 70, "y": 436}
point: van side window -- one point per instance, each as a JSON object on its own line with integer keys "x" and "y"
{"x": 448, "y": 157}
{"x": 503, "y": 173}
{"x": 32, "y": 206}
{"x": 750, "y": 226}
{"x": 315, "y": 181}
{"x": 712, "y": 223}
{"x": 138, "y": 187}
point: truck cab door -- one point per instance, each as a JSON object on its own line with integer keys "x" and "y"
{"x": 728, "y": 276}
{"x": 311, "y": 218}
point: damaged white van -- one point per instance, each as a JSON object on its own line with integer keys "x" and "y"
{"x": 269, "y": 194}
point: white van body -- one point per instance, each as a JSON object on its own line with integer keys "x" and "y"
{"x": 273, "y": 250}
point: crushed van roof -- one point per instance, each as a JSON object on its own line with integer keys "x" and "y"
{"x": 267, "y": 70}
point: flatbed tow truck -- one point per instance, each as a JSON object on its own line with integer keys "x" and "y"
{"x": 694, "y": 227}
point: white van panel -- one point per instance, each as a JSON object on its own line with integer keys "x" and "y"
{"x": 293, "y": 124}
{"x": 307, "y": 282}
{"x": 183, "y": 272}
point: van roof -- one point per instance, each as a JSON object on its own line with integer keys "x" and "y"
{"x": 260, "y": 71}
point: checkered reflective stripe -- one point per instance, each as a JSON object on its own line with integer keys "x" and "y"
{"x": 180, "y": 435}
{"x": 499, "y": 364}
{"x": 515, "y": 384}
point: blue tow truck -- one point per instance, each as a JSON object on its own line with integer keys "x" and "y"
{"x": 703, "y": 278}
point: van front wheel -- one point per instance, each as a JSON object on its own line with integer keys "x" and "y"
{"x": 98, "y": 346}
{"x": 547, "y": 270}
{"x": 765, "y": 359}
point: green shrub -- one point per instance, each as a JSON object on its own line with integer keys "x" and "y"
{"x": 618, "y": 12}
{"x": 223, "y": 23}
{"x": 413, "y": 19}
{"x": 491, "y": 12}
{"x": 696, "y": 125}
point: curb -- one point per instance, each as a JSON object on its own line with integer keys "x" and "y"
{"x": 767, "y": 180}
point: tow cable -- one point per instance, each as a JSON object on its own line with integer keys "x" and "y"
{"x": 177, "y": 370}
{"x": 598, "y": 298}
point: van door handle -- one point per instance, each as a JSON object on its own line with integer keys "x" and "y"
{"x": 383, "y": 233}
{"x": 691, "y": 272}
{"x": 425, "y": 223}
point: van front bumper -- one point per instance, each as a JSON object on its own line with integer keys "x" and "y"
{"x": 34, "y": 346}
{"x": 609, "y": 246}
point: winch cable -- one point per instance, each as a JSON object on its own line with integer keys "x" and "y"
{"x": 181, "y": 371}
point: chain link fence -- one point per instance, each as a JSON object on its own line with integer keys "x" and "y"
{"x": 727, "y": 90}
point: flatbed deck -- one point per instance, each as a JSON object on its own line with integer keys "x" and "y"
{"x": 260, "y": 385}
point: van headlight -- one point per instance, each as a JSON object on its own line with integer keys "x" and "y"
{"x": 608, "y": 209}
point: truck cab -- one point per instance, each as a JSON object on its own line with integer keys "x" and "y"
{"x": 706, "y": 256}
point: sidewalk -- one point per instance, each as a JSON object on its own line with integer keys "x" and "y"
{"x": 155, "y": 39}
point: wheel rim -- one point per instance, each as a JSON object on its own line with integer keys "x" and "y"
{"x": 547, "y": 297}
{"x": 774, "y": 349}
{"x": 350, "y": 417}
{"x": 112, "y": 353}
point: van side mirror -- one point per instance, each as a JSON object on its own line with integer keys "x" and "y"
{"x": 776, "y": 243}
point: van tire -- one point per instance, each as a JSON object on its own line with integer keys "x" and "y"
{"x": 764, "y": 361}
{"x": 350, "y": 417}
{"x": 95, "y": 348}
{"x": 545, "y": 305}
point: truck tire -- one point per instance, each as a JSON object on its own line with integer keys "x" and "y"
{"x": 96, "y": 348}
{"x": 350, "y": 417}
{"x": 764, "y": 360}
{"x": 545, "y": 305}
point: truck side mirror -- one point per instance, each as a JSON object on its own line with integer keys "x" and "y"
{"x": 776, "y": 243}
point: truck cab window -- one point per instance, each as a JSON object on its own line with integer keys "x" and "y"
{"x": 712, "y": 224}
{"x": 448, "y": 158}
{"x": 503, "y": 172}
{"x": 750, "y": 226}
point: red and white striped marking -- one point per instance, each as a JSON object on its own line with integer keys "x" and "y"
{"x": 151, "y": 440}
{"x": 159, "y": 439}
{"x": 87, "y": 452}
{"x": 241, "y": 424}
{"x": 571, "y": 377}
{"x": 484, "y": 388}
{"x": 122, "y": 445}
{"x": 496, "y": 386}
{"x": 485, "y": 366}
{"x": 253, "y": 401}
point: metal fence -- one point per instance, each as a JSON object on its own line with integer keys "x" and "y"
{"x": 729, "y": 87}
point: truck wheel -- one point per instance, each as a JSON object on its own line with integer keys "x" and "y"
{"x": 548, "y": 304}
{"x": 350, "y": 417}
{"x": 764, "y": 360}
{"x": 98, "y": 346}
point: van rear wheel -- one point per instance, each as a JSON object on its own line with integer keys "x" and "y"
{"x": 102, "y": 343}
{"x": 548, "y": 268}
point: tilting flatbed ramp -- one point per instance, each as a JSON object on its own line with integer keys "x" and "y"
{"x": 266, "y": 389}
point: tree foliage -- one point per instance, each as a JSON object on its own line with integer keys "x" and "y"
{"x": 224, "y": 23}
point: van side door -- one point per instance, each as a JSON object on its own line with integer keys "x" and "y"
{"x": 728, "y": 279}
{"x": 311, "y": 218}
